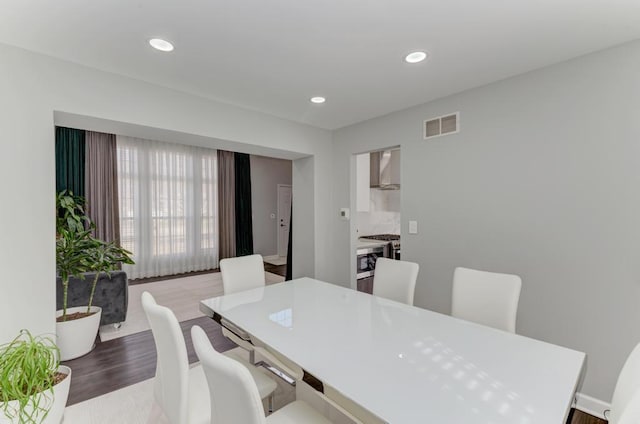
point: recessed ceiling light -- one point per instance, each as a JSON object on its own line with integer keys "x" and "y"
{"x": 160, "y": 44}
{"x": 415, "y": 57}
{"x": 318, "y": 100}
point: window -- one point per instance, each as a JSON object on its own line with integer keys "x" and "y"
{"x": 168, "y": 206}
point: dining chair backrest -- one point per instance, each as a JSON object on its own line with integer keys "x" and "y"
{"x": 631, "y": 412}
{"x": 171, "y": 388}
{"x": 488, "y": 298}
{"x": 246, "y": 273}
{"x": 242, "y": 273}
{"x": 625, "y": 404}
{"x": 233, "y": 392}
{"x": 395, "y": 280}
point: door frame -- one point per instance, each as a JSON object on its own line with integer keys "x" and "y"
{"x": 279, "y": 213}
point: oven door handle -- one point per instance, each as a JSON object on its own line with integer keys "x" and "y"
{"x": 368, "y": 250}
{"x": 364, "y": 274}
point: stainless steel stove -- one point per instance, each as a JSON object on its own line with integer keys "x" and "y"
{"x": 367, "y": 257}
{"x": 393, "y": 239}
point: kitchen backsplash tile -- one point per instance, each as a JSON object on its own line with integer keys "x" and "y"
{"x": 384, "y": 213}
{"x": 378, "y": 222}
{"x": 384, "y": 200}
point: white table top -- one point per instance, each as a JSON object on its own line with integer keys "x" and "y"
{"x": 406, "y": 364}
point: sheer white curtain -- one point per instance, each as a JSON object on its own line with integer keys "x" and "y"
{"x": 168, "y": 197}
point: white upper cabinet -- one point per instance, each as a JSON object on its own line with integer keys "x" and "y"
{"x": 362, "y": 183}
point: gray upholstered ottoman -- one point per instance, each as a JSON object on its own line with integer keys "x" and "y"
{"x": 112, "y": 295}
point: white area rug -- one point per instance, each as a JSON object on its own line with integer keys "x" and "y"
{"x": 135, "y": 404}
{"x": 131, "y": 405}
{"x": 275, "y": 260}
{"x": 181, "y": 295}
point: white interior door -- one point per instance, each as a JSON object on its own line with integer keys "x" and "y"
{"x": 284, "y": 218}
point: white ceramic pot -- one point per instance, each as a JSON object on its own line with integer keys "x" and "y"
{"x": 76, "y": 337}
{"x": 58, "y": 402}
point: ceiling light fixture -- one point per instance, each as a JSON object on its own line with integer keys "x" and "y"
{"x": 160, "y": 44}
{"x": 415, "y": 57}
{"x": 318, "y": 100}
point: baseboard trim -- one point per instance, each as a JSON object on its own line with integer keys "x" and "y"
{"x": 591, "y": 405}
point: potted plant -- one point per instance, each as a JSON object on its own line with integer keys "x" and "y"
{"x": 76, "y": 327}
{"x": 78, "y": 252}
{"x": 34, "y": 387}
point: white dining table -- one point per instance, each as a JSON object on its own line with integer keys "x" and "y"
{"x": 406, "y": 364}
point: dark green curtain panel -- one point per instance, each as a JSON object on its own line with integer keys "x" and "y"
{"x": 70, "y": 151}
{"x": 244, "y": 226}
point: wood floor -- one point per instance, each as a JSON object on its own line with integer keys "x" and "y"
{"x": 274, "y": 269}
{"x": 579, "y": 417}
{"x": 127, "y": 360}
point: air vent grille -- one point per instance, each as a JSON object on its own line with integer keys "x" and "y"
{"x": 442, "y": 125}
{"x": 432, "y": 128}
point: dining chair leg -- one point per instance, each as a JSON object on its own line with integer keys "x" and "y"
{"x": 271, "y": 404}
{"x": 252, "y": 357}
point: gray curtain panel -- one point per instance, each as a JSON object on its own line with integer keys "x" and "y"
{"x": 227, "y": 204}
{"x": 101, "y": 185}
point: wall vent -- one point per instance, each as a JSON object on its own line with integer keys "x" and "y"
{"x": 442, "y": 125}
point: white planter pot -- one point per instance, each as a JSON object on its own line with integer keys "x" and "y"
{"x": 77, "y": 337}
{"x": 58, "y": 402}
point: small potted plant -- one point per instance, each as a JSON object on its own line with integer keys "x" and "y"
{"x": 34, "y": 387}
{"x": 78, "y": 252}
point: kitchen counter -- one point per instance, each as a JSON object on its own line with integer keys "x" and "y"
{"x": 367, "y": 244}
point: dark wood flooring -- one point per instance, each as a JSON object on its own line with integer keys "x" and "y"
{"x": 579, "y": 417}
{"x": 131, "y": 359}
{"x": 171, "y": 277}
{"x": 274, "y": 269}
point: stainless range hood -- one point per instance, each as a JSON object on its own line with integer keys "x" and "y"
{"x": 385, "y": 170}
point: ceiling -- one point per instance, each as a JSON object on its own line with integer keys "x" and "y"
{"x": 272, "y": 56}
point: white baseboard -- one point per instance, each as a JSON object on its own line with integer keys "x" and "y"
{"x": 591, "y": 405}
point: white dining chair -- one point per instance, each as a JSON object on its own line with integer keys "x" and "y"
{"x": 179, "y": 390}
{"x": 488, "y": 298}
{"x": 234, "y": 397}
{"x": 625, "y": 404}
{"x": 395, "y": 280}
{"x": 246, "y": 273}
{"x": 240, "y": 274}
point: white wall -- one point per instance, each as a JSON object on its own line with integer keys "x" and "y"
{"x": 542, "y": 181}
{"x": 33, "y": 86}
{"x": 266, "y": 174}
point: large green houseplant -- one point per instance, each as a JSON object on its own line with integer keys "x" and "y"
{"x": 78, "y": 252}
{"x": 73, "y": 241}
{"x": 33, "y": 385}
